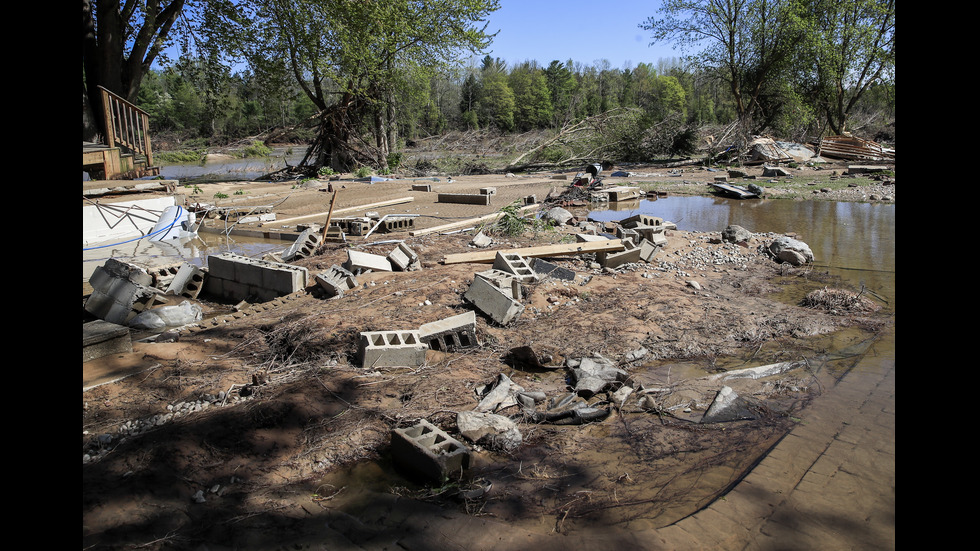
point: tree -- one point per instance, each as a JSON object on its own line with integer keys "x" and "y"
{"x": 349, "y": 55}
{"x": 750, "y": 41}
{"x": 853, "y": 50}
{"x": 561, "y": 86}
{"x": 122, "y": 40}
{"x": 532, "y": 100}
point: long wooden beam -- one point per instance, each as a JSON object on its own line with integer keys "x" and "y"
{"x": 348, "y": 209}
{"x": 463, "y": 223}
{"x": 608, "y": 245}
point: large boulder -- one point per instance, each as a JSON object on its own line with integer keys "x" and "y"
{"x": 793, "y": 251}
{"x": 735, "y": 234}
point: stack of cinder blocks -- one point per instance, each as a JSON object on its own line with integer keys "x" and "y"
{"x": 120, "y": 291}
{"x": 426, "y": 450}
{"x": 237, "y": 277}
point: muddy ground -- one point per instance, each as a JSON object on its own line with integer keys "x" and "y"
{"x": 292, "y": 450}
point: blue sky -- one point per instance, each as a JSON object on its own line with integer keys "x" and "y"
{"x": 581, "y": 30}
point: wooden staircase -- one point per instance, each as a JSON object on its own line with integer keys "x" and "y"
{"x": 127, "y": 153}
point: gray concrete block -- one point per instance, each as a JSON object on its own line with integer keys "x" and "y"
{"x": 464, "y": 198}
{"x": 515, "y": 264}
{"x": 546, "y": 269}
{"x": 496, "y": 302}
{"x": 641, "y": 219}
{"x": 421, "y": 187}
{"x": 336, "y": 281}
{"x": 188, "y": 281}
{"x": 397, "y": 223}
{"x": 488, "y": 190}
{"x": 505, "y": 281}
{"x": 426, "y": 450}
{"x": 586, "y": 237}
{"x": 613, "y": 260}
{"x": 404, "y": 259}
{"x": 361, "y": 262}
{"x": 391, "y": 348}
{"x": 304, "y": 246}
{"x": 452, "y": 333}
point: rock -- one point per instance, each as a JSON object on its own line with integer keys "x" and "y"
{"x": 499, "y": 432}
{"x": 557, "y": 216}
{"x": 793, "y": 251}
{"x": 727, "y": 406}
{"x": 735, "y": 234}
{"x": 481, "y": 240}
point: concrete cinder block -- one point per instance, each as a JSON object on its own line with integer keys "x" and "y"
{"x": 627, "y": 234}
{"x": 546, "y": 269}
{"x": 404, "y": 259}
{"x": 426, "y": 450}
{"x": 505, "y": 281}
{"x": 361, "y": 262}
{"x": 421, "y": 187}
{"x": 336, "y": 281}
{"x": 464, "y": 198}
{"x": 244, "y": 277}
{"x": 488, "y": 190}
{"x": 515, "y": 264}
{"x": 641, "y": 219}
{"x": 391, "y": 348}
{"x": 586, "y": 237}
{"x": 398, "y": 223}
{"x": 353, "y": 226}
{"x": 613, "y": 260}
{"x": 496, "y": 302}
{"x": 453, "y": 333}
{"x": 188, "y": 281}
{"x": 115, "y": 297}
{"x": 650, "y": 233}
{"x": 304, "y": 246}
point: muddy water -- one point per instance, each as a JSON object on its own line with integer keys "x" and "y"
{"x": 220, "y": 169}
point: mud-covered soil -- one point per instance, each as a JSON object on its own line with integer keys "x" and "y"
{"x": 291, "y": 450}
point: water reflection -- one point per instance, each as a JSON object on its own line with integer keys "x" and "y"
{"x": 853, "y": 240}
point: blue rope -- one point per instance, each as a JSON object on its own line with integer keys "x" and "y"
{"x": 180, "y": 211}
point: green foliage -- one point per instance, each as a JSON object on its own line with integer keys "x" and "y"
{"x": 220, "y": 195}
{"x": 256, "y": 149}
{"x": 514, "y": 223}
{"x": 363, "y": 172}
{"x": 181, "y": 156}
{"x": 325, "y": 171}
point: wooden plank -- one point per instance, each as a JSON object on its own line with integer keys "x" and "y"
{"x": 348, "y": 209}
{"x": 464, "y": 223}
{"x": 608, "y": 245}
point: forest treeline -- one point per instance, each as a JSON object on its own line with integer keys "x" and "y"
{"x": 198, "y": 108}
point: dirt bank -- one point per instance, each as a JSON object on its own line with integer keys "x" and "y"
{"x": 291, "y": 450}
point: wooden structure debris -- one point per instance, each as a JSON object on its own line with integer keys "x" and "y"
{"x": 851, "y": 148}
{"x": 605, "y": 245}
{"x": 126, "y": 153}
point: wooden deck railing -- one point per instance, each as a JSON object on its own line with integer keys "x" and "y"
{"x": 127, "y": 126}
